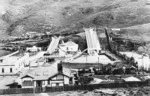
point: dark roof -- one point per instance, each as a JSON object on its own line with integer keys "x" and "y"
{"x": 13, "y": 84}
{"x": 46, "y": 72}
{"x": 82, "y": 65}
{"x": 99, "y": 77}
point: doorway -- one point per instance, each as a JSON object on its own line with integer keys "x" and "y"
{"x": 38, "y": 83}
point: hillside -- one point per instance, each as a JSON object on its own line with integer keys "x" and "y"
{"x": 19, "y": 16}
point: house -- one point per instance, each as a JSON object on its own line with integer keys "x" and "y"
{"x": 67, "y": 47}
{"x": 13, "y": 64}
{"x": 33, "y": 49}
{"x": 32, "y": 34}
{"x": 48, "y": 75}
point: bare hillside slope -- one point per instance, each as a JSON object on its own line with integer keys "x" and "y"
{"x": 20, "y": 16}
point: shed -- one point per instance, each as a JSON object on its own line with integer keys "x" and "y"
{"x": 131, "y": 79}
{"x": 14, "y": 85}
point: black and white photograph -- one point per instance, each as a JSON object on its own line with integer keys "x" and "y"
{"x": 74, "y": 47}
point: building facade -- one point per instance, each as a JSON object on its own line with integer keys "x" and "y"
{"x": 47, "y": 76}
{"x": 13, "y": 64}
{"x": 68, "y": 47}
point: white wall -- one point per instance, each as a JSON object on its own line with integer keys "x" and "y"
{"x": 72, "y": 48}
{"x": 21, "y": 62}
{"x": 58, "y": 79}
{"x": 44, "y": 83}
{"x": 7, "y": 69}
{"x": 16, "y": 66}
{"x": 69, "y": 48}
{"x": 66, "y": 80}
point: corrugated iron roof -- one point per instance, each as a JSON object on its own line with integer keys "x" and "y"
{"x": 46, "y": 72}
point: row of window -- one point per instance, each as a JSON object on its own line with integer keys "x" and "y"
{"x": 3, "y": 70}
{"x": 28, "y": 83}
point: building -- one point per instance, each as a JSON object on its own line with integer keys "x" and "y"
{"x": 33, "y": 49}
{"x": 101, "y": 59}
{"x": 131, "y": 79}
{"x": 13, "y": 64}
{"x": 143, "y": 61}
{"x": 31, "y": 34}
{"x": 51, "y": 75}
{"x": 68, "y": 47}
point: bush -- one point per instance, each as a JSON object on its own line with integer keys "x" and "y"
{"x": 103, "y": 19}
{"x": 87, "y": 11}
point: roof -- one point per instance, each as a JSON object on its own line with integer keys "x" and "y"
{"x": 143, "y": 78}
{"x": 69, "y": 43}
{"x": 102, "y": 77}
{"x": 46, "y": 72}
{"x": 103, "y": 59}
{"x": 131, "y": 79}
{"x": 13, "y": 84}
{"x": 6, "y": 80}
{"x": 96, "y": 81}
{"x": 9, "y": 61}
{"x": 82, "y": 65}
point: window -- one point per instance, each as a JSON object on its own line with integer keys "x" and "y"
{"x": 10, "y": 70}
{"x": 48, "y": 82}
{"x": 67, "y": 48}
{"x": 71, "y": 79}
{"x": 2, "y": 70}
{"x": 28, "y": 83}
{"x": 57, "y": 84}
{"x": 1, "y": 60}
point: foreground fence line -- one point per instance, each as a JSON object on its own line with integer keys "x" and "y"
{"x": 73, "y": 88}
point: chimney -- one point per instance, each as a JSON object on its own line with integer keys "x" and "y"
{"x": 60, "y": 68}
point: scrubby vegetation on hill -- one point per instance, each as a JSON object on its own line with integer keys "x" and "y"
{"x": 19, "y": 16}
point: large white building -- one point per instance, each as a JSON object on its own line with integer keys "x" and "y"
{"x": 13, "y": 64}
{"x": 33, "y": 49}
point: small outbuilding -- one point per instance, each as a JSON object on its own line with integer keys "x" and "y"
{"x": 131, "y": 79}
{"x": 33, "y": 49}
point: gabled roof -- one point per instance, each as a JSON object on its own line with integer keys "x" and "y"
{"x": 69, "y": 43}
{"x": 27, "y": 75}
{"x": 46, "y": 72}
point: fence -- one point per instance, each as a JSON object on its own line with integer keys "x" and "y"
{"x": 73, "y": 88}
